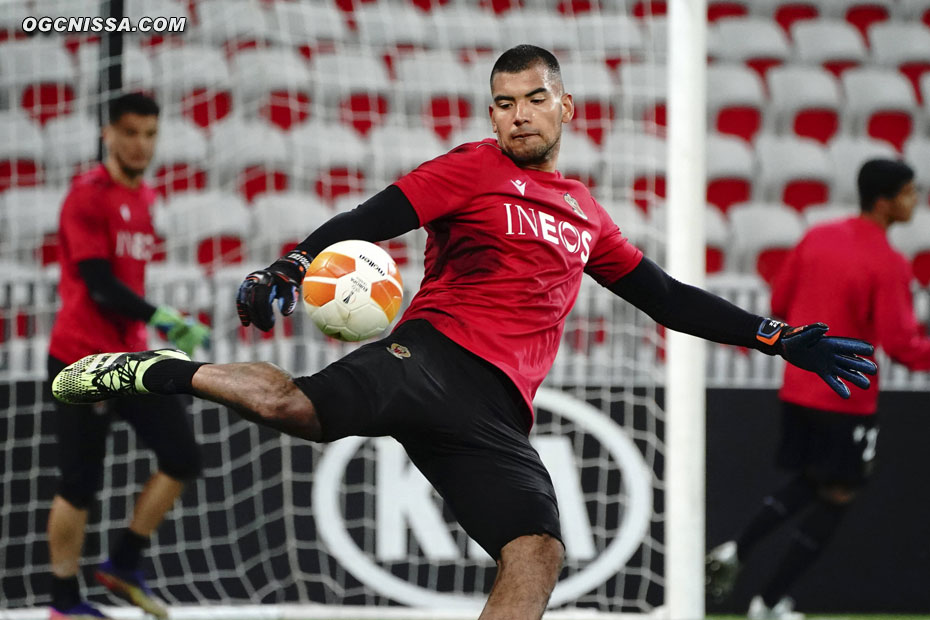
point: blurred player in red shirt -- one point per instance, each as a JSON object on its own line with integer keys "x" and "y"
{"x": 509, "y": 239}
{"x": 846, "y": 274}
{"x": 107, "y": 239}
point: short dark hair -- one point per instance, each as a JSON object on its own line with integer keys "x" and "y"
{"x": 132, "y": 103}
{"x": 522, "y": 57}
{"x": 882, "y": 178}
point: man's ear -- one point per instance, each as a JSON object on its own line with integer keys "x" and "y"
{"x": 568, "y": 107}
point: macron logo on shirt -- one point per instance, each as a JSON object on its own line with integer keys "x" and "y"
{"x": 520, "y": 185}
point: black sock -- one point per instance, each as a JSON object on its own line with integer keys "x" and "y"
{"x": 171, "y": 376}
{"x": 809, "y": 540}
{"x": 65, "y": 591}
{"x": 777, "y": 508}
{"x": 128, "y": 551}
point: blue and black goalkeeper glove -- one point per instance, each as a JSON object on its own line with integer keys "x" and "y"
{"x": 278, "y": 283}
{"x": 184, "y": 332}
{"x": 830, "y": 358}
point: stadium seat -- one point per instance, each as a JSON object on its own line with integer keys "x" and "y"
{"x": 619, "y": 37}
{"x": 193, "y": 81}
{"x": 592, "y": 85}
{"x": 813, "y": 216}
{"x": 355, "y": 84}
{"x": 848, "y": 153}
{"x": 309, "y": 27}
{"x": 880, "y": 104}
{"x": 180, "y": 157}
{"x": 718, "y": 240}
{"x": 917, "y": 155}
{"x": 735, "y": 100}
{"x": 434, "y": 86}
{"x": 795, "y": 171}
{"x": 138, "y": 75}
{"x": 464, "y": 30}
{"x": 655, "y": 38}
{"x": 475, "y": 129}
{"x": 862, "y": 14}
{"x": 731, "y": 168}
{"x": 284, "y": 220}
{"x": 630, "y": 219}
{"x": 29, "y": 223}
{"x": 11, "y": 19}
{"x": 763, "y": 235}
{"x": 274, "y": 84}
{"x": 208, "y": 228}
{"x": 233, "y": 25}
{"x": 253, "y": 156}
{"x": 20, "y": 152}
{"x": 915, "y": 10}
{"x": 644, "y": 86}
{"x": 341, "y": 166}
{"x": 911, "y": 239}
{"x": 71, "y": 147}
{"x": 757, "y": 42}
{"x": 650, "y": 8}
{"x": 721, "y": 9}
{"x": 543, "y": 28}
{"x": 904, "y": 45}
{"x": 787, "y": 12}
{"x": 40, "y": 77}
{"x": 834, "y": 44}
{"x": 398, "y": 150}
{"x": 806, "y": 101}
{"x": 579, "y": 159}
{"x": 391, "y": 28}
{"x": 637, "y": 167}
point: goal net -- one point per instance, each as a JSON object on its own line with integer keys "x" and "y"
{"x": 275, "y": 116}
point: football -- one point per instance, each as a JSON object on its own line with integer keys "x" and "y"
{"x": 352, "y": 290}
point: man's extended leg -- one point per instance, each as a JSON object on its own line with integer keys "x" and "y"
{"x": 258, "y": 391}
{"x": 527, "y": 572}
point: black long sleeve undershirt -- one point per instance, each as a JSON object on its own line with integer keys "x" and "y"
{"x": 385, "y": 215}
{"x": 688, "y": 309}
{"x": 110, "y": 293}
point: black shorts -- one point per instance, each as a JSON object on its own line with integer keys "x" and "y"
{"x": 461, "y": 420}
{"x": 160, "y": 422}
{"x": 830, "y": 447}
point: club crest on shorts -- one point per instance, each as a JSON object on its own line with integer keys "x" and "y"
{"x": 574, "y": 204}
{"x": 398, "y": 350}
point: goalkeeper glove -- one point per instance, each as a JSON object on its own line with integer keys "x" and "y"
{"x": 280, "y": 282}
{"x": 183, "y": 332}
{"x": 829, "y": 357}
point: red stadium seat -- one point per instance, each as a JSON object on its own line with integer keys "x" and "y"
{"x": 594, "y": 97}
{"x": 911, "y": 239}
{"x": 356, "y": 85}
{"x": 805, "y": 100}
{"x": 719, "y": 9}
{"x": 905, "y": 46}
{"x": 763, "y": 234}
{"x": 796, "y": 171}
{"x": 20, "y": 152}
{"x": 735, "y": 100}
{"x": 274, "y": 84}
{"x": 757, "y": 42}
{"x": 731, "y": 168}
{"x": 848, "y": 153}
{"x": 862, "y": 14}
{"x": 639, "y": 170}
{"x": 40, "y": 77}
{"x": 253, "y": 155}
{"x": 787, "y": 12}
{"x": 332, "y": 172}
{"x": 833, "y": 44}
{"x": 650, "y": 8}
{"x": 880, "y": 104}
{"x": 179, "y": 158}
{"x": 435, "y": 86}
{"x": 194, "y": 81}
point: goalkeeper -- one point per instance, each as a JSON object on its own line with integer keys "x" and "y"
{"x": 106, "y": 239}
{"x": 509, "y": 241}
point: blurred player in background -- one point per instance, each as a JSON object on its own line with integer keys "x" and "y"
{"x": 847, "y": 274}
{"x": 509, "y": 239}
{"x": 107, "y": 238}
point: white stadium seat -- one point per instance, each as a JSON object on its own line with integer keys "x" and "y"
{"x": 848, "y": 153}
{"x": 795, "y": 171}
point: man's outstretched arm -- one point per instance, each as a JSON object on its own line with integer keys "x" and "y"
{"x": 385, "y": 215}
{"x": 694, "y": 311}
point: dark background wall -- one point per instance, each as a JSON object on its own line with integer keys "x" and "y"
{"x": 880, "y": 559}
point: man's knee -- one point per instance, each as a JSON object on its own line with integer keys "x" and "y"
{"x": 292, "y": 411}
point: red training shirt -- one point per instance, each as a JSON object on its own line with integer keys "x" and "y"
{"x": 505, "y": 253}
{"x": 847, "y": 275}
{"x": 101, "y": 218}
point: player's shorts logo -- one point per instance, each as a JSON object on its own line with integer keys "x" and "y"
{"x": 399, "y": 351}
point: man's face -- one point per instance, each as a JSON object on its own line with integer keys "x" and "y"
{"x": 131, "y": 142}
{"x": 527, "y": 115}
{"x": 902, "y": 205}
